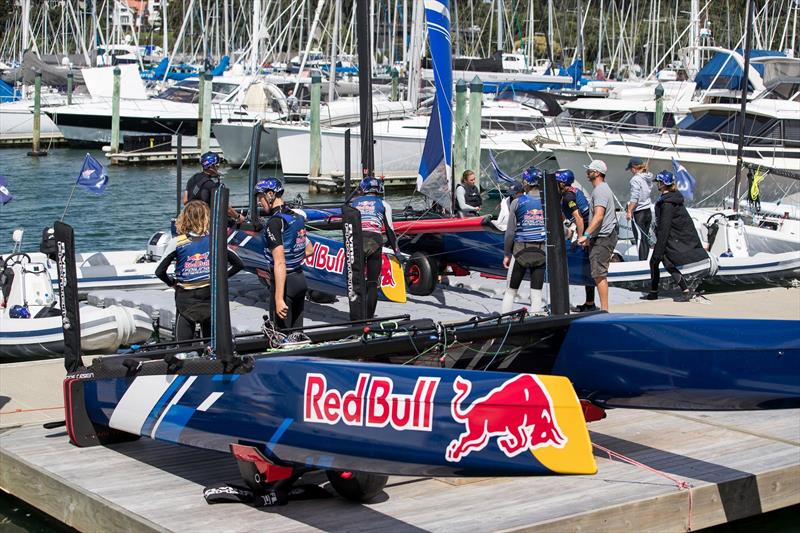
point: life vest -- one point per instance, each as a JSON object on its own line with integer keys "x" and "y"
{"x": 530, "y": 220}
{"x": 203, "y": 188}
{"x": 472, "y": 195}
{"x": 193, "y": 261}
{"x": 373, "y": 212}
{"x": 567, "y": 206}
{"x": 293, "y": 238}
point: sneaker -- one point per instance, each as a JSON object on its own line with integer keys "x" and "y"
{"x": 584, "y": 308}
{"x": 650, "y": 296}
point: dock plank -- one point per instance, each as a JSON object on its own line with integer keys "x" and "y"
{"x": 737, "y": 464}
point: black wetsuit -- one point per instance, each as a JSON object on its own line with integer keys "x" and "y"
{"x": 287, "y": 228}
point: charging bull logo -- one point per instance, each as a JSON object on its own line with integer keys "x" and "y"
{"x": 519, "y": 412}
{"x": 387, "y": 276}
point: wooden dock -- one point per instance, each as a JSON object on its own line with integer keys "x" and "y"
{"x": 166, "y": 157}
{"x": 700, "y": 469}
{"x": 46, "y": 140}
{"x": 335, "y": 183}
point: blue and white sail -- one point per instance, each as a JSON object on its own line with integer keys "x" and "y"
{"x": 436, "y": 165}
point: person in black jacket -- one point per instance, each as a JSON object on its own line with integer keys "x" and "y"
{"x": 677, "y": 242}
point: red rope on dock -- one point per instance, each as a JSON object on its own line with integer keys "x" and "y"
{"x": 30, "y": 410}
{"x": 680, "y": 483}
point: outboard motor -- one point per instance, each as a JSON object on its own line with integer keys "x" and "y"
{"x": 157, "y": 245}
{"x": 48, "y": 245}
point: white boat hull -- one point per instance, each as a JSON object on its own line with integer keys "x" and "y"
{"x": 102, "y": 331}
{"x": 235, "y": 140}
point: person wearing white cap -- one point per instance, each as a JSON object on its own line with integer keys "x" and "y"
{"x": 601, "y": 235}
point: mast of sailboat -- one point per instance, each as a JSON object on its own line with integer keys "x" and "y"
{"x": 550, "y": 35}
{"x": 334, "y": 50}
{"x": 365, "y": 87}
{"x": 743, "y": 112}
{"x": 500, "y": 25}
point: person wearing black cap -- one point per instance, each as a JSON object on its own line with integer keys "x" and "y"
{"x": 202, "y": 184}
{"x": 639, "y": 205}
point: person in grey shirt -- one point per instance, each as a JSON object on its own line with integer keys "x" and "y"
{"x": 639, "y": 205}
{"x": 601, "y": 235}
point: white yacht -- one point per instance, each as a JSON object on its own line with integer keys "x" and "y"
{"x": 705, "y": 142}
{"x": 173, "y": 111}
{"x": 399, "y": 143}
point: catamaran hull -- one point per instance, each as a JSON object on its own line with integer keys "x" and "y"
{"x": 369, "y": 417}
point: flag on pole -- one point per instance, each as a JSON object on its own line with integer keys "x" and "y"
{"x": 498, "y": 172}
{"x": 92, "y": 177}
{"x": 686, "y": 182}
{"x": 5, "y": 194}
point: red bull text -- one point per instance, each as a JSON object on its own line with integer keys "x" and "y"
{"x": 372, "y": 403}
{"x": 323, "y": 259}
{"x": 519, "y": 412}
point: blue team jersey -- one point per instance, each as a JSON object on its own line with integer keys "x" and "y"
{"x": 575, "y": 199}
{"x": 373, "y": 212}
{"x": 292, "y": 238}
{"x": 192, "y": 261}
{"x": 530, "y": 220}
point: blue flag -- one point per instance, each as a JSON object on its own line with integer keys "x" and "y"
{"x": 92, "y": 177}
{"x": 498, "y": 172}
{"x": 5, "y": 194}
{"x": 686, "y": 182}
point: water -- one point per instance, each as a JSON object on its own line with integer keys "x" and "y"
{"x": 137, "y": 202}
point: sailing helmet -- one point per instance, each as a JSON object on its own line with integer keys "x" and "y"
{"x": 666, "y": 177}
{"x": 209, "y": 160}
{"x": 371, "y": 184}
{"x": 531, "y": 176}
{"x": 565, "y": 176}
{"x": 270, "y": 184}
{"x": 19, "y": 311}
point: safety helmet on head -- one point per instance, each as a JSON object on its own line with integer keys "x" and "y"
{"x": 565, "y": 176}
{"x": 666, "y": 177}
{"x": 371, "y": 184}
{"x": 209, "y": 160}
{"x": 531, "y": 176}
{"x": 19, "y": 311}
{"x": 269, "y": 184}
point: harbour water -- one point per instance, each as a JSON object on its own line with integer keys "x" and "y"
{"x": 137, "y": 202}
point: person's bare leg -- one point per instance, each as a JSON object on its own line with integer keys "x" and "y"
{"x": 602, "y": 291}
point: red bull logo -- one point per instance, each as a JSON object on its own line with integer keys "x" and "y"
{"x": 387, "y": 275}
{"x": 373, "y": 403}
{"x": 519, "y": 413}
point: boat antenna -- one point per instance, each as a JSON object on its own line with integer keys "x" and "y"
{"x": 556, "y": 248}
{"x": 68, "y": 295}
{"x": 221, "y": 339}
{"x": 743, "y": 112}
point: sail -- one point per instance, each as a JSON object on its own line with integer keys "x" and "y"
{"x": 436, "y": 165}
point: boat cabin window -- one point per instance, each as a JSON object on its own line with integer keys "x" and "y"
{"x": 185, "y": 91}
{"x": 791, "y": 133}
{"x": 753, "y": 125}
{"x": 221, "y": 91}
{"x": 512, "y": 123}
{"x": 706, "y": 122}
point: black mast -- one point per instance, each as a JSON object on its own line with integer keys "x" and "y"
{"x": 68, "y": 295}
{"x": 743, "y": 112}
{"x": 365, "y": 87}
{"x": 556, "y": 248}
{"x": 221, "y": 338}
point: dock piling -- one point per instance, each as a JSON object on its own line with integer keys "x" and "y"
{"x": 395, "y": 84}
{"x": 205, "y": 131}
{"x": 115, "y": 112}
{"x": 459, "y": 150}
{"x": 315, "y": 150}
{"x": 201, "y": 81}
{"x": 37, "y": 118}
{"x": 70, "y": 83}
{"x": 473, "y": 155}
{"x": 658, "y": 120}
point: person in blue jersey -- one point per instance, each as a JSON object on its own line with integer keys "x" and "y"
{"x": 190, "y": 250}
{"x": 376, "y": 220}
{"x": 285, "y": 249}
{"x": 576, "y": 210}
{"x": 524, "y": 242}
{"x": 677, "y": 242}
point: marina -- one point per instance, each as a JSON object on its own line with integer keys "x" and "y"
{"x": 400, "y": 265}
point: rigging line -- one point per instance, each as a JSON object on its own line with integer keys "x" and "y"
{"x": 508, "y": 330}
